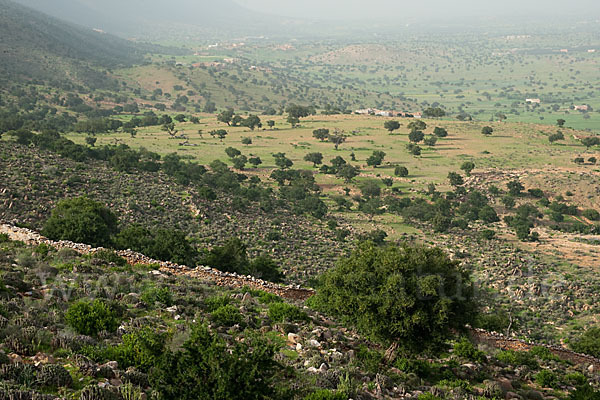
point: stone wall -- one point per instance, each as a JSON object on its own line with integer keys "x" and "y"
{"x": 220, "y": 278}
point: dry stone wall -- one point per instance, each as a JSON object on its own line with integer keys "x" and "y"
{"x": 292, "y": 292}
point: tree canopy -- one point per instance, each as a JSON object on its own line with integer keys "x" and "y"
{"x": 411, "y": 295}
{"x": 81, "y": 220}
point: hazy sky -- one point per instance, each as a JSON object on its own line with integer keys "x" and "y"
{"x": 357, "y": 9}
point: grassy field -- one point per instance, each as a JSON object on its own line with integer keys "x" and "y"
{"x": 488, "y": 78}
{"x": 512, "y": 147}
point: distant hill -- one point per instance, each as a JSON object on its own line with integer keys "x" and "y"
{"x": 35, "y": 46}
{"x": 157, "y": 18}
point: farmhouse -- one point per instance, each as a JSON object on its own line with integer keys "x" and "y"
{"x": 365, "y": 111}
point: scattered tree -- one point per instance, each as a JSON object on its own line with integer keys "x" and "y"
{"x": 391, "y": 126}
{"x": 436, "y": 112}
{"x": 282, "y": 161}
{"x": 467, "y": 166}
{"x": 321, "y": 134}
{"x": 455, "y": 179}
{"x": 232, "y": 152}
{"x": 315, "y": 158}
{"x": 255, "y": 161}
{"x": 417, "y": 125}
{"x": 440, "y": 132}
{"x": 487, "y": 130}
{"x": 226, "y": 116}
{"x": 376, "y": 158}
{"x": 401, "y": 171}
{"x": 416, "y": 136}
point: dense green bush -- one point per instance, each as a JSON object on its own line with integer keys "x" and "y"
{"x": 141, "y": 349}
{"x": 110, "y": 257}
{"x": 207, "y": 368}
{"x": 592, "y": 215}
{"x": 91, "y": 317}
{"x": 370, "y": 360}
{"x": 588, "y": 343}
{"x": 153, "y": 295}
{"x": 81, "y": 220}
{"x": 161, "y": 244}
{"x": 543, "y": 353}
{"x": 227, "y": 315}
{"x": 214, "y": 302}
{"x": 233, "y": 257}
{"x": 517, "y": 358}
{"x": 410, "y": 294}
{"x": 465, "y": 349}
{"x": 546, "y": 378}
{"x": 585, "y": 392}
{"x": 283, "y": 312}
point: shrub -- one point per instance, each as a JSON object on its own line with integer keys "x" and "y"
{"x": 4, "y": 238}
{"x": 370, "y": 360}
{"x": 575, "y": 379}
{"x": 537, "y": 193}
{"x": 264, "y": 267}
{"x": 244, "y": 371}
{"x": 268, "y": 298}
{"x": 465, "y": 349}
{"x": 161, "y": 244}
{"x": 81, "y": 220}
{"x": 227, "y": 315}
{"x": 487, "y": 234}
{"x": 543, "y": 353}
{"x": 585, "y": 392}
{"x": 284, "y": 312}
{"x": 141, "y": 349}
{"x": 546, "y": 378}
{"x": 89, "y": 318}
{"x": 420, "y": 368}
{"x": 402, "y": 294}
{"x": 588, "y": 343}
{"x": 161, "y": 295}
{"x": 54, "y": 376}
{"x": 214, "y": 302}
{"x": 517, "y": 358}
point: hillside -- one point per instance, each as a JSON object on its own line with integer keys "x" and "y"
{"x": 157, "y": 18}
{"x": 41, "y": 48}
{"x": 149, "y": 318}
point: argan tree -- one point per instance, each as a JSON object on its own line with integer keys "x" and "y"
{"x": 409, "y": 297}
{"x": 81, "y": 220}
{"x": 391, "y": 126}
